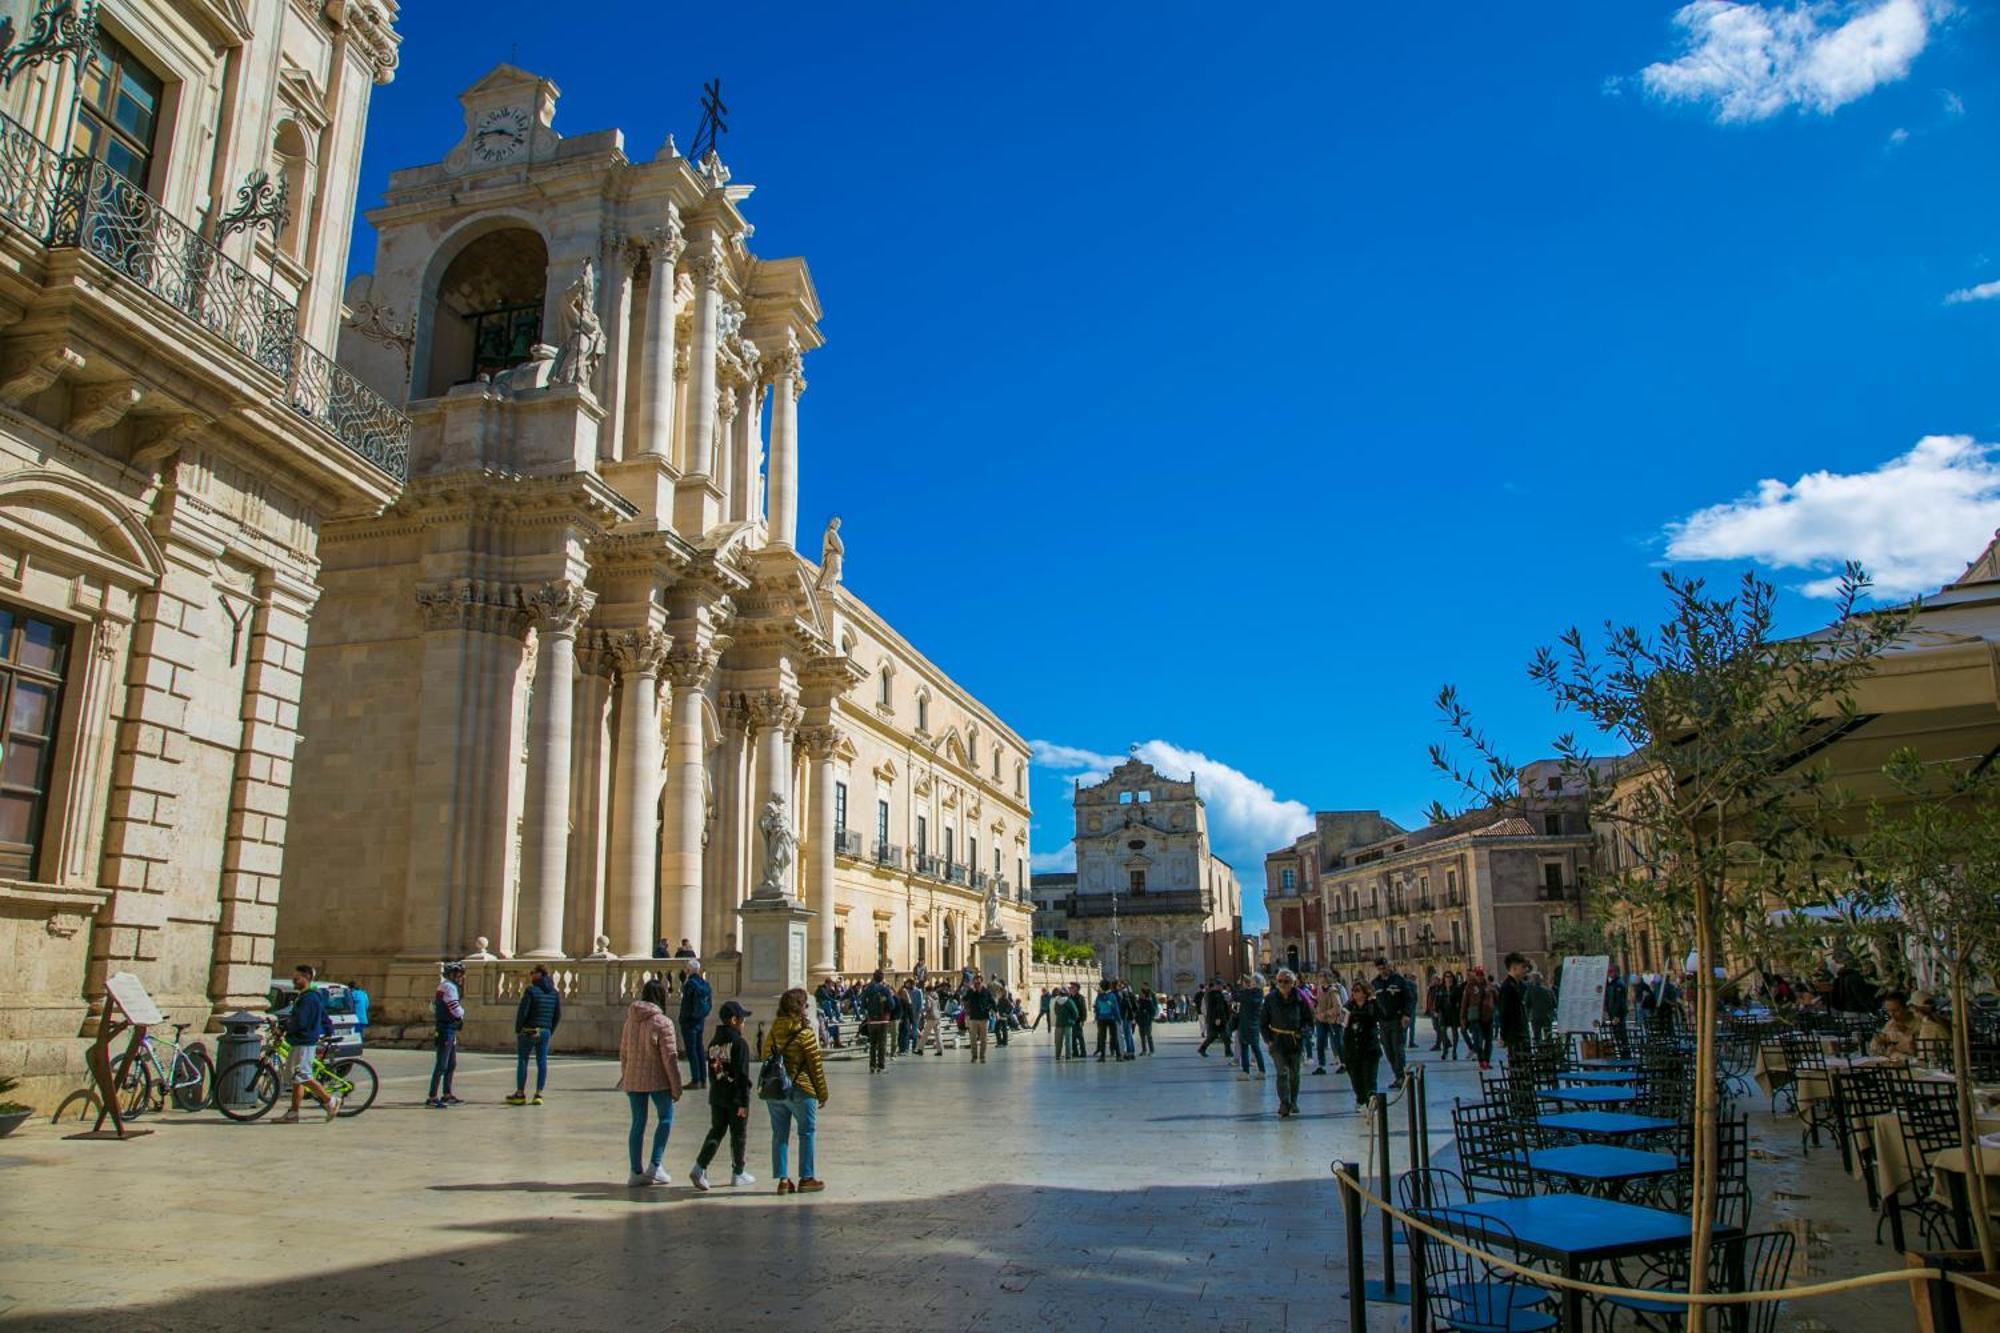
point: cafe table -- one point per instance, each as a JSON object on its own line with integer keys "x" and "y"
{"x": 1609, "y": 1125}
{"x": 1608, "y": 1062}
{"x": 1603, "y": 1164}
{"x": 1605, "y": 1077}
{"x": 1591, "y": 1096}
{"x": 1573, "y": 1231}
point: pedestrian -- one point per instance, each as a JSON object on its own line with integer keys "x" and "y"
{"x": 1105, "y": 1010}
{"x": 1064, "y": 1016}
{"x": 1215, "y": 1015}
{"x": 791, "y": 1039}
{"x": 1514, "y": 1007}
{"x": 1434, "y": 997}
{"x": 828, "y": 998}
{"x": 1329, "y": 1016}
{"x": 535, "y": 1020}
{"x": 1128, "y": 1020}
{"x": 1149, "y": 1008}
{"x": 447, "y": 1016}
{"x": 1617, "y": 1001}
{"x": 649, "y": 1073}
{"x": 1003, "y": 1012}
{"x": 906, "y": 1017}
{"x": 1363, "y": 1048}
{"x": 928, "y": 1027}
{"x": 1077, "y": 1049}
{"x": 977, "y": 1005}
{"x": 728, "y": 1098}
{"x": 661, "y": 949}
{"x": 696, "y": 997}
{"x": 1285, "y": 1022}
{"x": 878, "y": 1016}
{"x": 1395, "y": 1009}
{"x": 307, "y": 1023}
{"x": 1042, "y": 1014}
{"x": 1249, "y": 1015}
{"x": 1454, "y": 1003}
{"x": 1476, "y": 1016}
{"x": 686, "y": 951}
{"x": 1540, "y": 1001}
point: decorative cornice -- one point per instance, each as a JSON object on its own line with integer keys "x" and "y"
{"x": 475, "y": 605}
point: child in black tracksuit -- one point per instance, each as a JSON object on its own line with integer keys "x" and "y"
{"x": 728, "y": 1096}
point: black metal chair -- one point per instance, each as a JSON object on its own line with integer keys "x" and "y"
{"x": 1492, "y": 1151}
{"x": 1807, "y": 1060}
{"x": 1465, "y": 1292}
{"x": 1767, "y": 1266}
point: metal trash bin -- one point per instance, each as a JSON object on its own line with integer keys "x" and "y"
{"x": 242, "y": 1039}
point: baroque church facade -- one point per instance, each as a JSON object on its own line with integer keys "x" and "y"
{"x": 578, "y": 689}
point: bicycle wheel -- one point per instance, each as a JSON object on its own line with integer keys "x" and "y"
{"x": 360, "y": 1094}
{"x": 247, "y": 1089}
{"x": 138, "y": 1090}
{"x": 194, "y": 1078}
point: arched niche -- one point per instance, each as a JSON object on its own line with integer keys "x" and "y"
{"x": 291, "y": 150}
{"x": 483, "y": 306}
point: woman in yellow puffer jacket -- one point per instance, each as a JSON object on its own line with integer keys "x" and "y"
{"x": 792, "y": 1036}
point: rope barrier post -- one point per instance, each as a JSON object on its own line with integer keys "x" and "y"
{"x": 1350, "y": 1208}
{"x": 1387, "y": 1185}
{"x": 1944, "y": 1304}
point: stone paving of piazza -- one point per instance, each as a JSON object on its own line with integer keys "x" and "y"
{"x": 1022, "y": 1194}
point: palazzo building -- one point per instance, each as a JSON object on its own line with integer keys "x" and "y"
{"x": 579, "y": 689}
{"x": 1152, "y": 898}
{"x": 176, "y": 195}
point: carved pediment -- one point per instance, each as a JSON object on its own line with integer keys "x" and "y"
{"x": 886, "y": 770}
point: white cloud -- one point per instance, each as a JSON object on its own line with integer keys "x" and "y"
{"x": 1914, "y": 522}
{"x": 1954, "y": 105}
{"x": 1058, "y": 862}
{"x": 1245, "y": 818}
{"x": 1985, "y": 291}
{"x": 1899, "y": 135}
{"x": 1748, "y": 62}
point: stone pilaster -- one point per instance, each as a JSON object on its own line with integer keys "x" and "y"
{"x": 821, "y": 744}
{"x": 777, "y": 715}
{"x": 557, "y": 610}
{"x": 788, "y": 381}
{"x": 697, "y": 502}
{"x": 664, "y": 245}
{"x": 621, "y": 260}
{"x": 590, "y": 794}
{"x": 689, "y": 666}
{"x": 260, "y": 795}
{"x": 635, "y": 794}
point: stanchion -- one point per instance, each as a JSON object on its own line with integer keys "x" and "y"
{"x": 1350, "y": 1208}
{"x": 1385, "y": 1289}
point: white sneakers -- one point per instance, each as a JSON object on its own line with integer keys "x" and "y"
{"x": 658, "y": 1176}
{"x": 637, "y": 1179}
{"x": 743, "y": 1178}
{"x": 332, "y": 1108}
{"x": 699, "y": 1179}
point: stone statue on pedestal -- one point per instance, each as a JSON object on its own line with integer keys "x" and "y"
{"x": 992, "y": 907}
{"x": 831, "y": 552}
{"x": 583, "y": 334}
{"x": 776, "y": 826}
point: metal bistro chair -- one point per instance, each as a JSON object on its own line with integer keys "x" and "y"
{"x": 1864, "y": 1094}
{"x": 1492, "y": 1151}
{"x": 1464, "y": 1292}
{"x": 1929, "y": 1116}
{"x": 1767, "y": 1266}
{"x": 1807, "y": 1059}
{"x": 1436, "y": 1187}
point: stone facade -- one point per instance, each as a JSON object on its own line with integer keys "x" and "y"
{"x": 580, "y": 687}
{"x": 1151, "y": 896}
{"x": 173, "y": 442}
{"x": 1294, "y": 907}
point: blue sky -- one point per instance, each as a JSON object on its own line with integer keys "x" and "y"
{"x": 1227, "y": 379}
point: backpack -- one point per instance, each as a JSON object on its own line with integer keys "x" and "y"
{"x": 774, "y": 1081}
{"x": 1107, "y": 1007}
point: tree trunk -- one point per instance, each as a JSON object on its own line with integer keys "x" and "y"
{"x": 1968, "y": 1123}
{"x": 1704, "y": 1168}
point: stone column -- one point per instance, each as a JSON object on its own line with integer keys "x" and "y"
{"x": 621, "y": 257}
{"x": 788, "y": 381}
{"x": 590, "y": 786}
{"x": 727, "y": 405}
{"x": 821, "y": 743}
{"x": 656, "y": 359}
{"x": 635, "y": 794}
{"x": 557, "y": 610}
{"x": 776, "y": 716}
{"x": 689, "y": 667}
{"x": 734, "y": 835}
{"x": 697, "y": 502}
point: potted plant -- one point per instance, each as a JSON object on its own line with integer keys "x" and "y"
{"x": 12, "y": 1114}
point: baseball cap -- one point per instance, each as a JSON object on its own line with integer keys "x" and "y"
{"x": 731, "y": 1009}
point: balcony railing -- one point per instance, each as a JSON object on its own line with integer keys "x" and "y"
{"x": 979, "y": 879}
{"x": 80, "y": 203}
{"x": 888, "y": 854}
{"x": 930, "y": 865}
{"x": 954, "y": 872}
{"x": 847, "y": 842}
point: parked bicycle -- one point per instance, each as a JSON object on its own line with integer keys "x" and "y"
{"x": 162, "y": 1069}
{"x": 247, "y": 1089}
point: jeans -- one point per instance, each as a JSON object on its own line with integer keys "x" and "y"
{"x": 1247, "y": 1041}
{"x": 1327, "y": 1035}
{"x": 831, "y": 1017}
{"x": 801, "y": 1108}
{"x": 663, "y": 1108}
{"x": 1107, "y": 1033}
{"x": 536, "y": 1045}
{"x": 1448, "y": 1034}
{"x": 1217, "y": 1030}
{"x": 1288, "y": 1056}
{"x": 1397, "y": 1045}
{"x": 1479, "y": 1039}
{"x": 723, "y": 1120}
{"x": 1076, "y": 1044}
{"x": 1062, "y": 1031}
{"x": 878, "y": 1046}
{"x": 697, "y": 1055}
{"x": 1125, "y": 1035}
{"x": 1145, "y": 1036}
{"x": 446, "y": 1063}
{"x": 1437, "y": 1031}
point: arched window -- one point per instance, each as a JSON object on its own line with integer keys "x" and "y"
{"x": 886, "y": 687}
{"x": 996, "y": 763}
{"x": 292, "y": 152}
{"x": 1020, "y": 777}
{"x": 923, "y": 712}
{"x": 489, "y": 308}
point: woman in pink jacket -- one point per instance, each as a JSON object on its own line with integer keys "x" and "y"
{"x": 649, "y": 1070}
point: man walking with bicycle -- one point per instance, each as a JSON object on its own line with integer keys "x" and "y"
{"x": 306, "y": 1023}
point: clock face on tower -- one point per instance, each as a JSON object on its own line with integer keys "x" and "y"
{"x": 500, "y": 134}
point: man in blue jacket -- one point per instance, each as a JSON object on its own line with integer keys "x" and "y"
{"x": 306, "y": 1022}
{"x": 695, "y": 1000}
{"x": 535, "y": 1020}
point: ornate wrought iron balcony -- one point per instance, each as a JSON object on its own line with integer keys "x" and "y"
{"x": 80, "y": 203}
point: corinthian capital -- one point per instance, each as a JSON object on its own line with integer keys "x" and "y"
{"x": 774, "y": 710}
{"x": 705, "y": 261}
{"x": 666, "y": 241}
{"x": 640, "y": 652}
{"x": 559, "y": 607}
{"x": 689, "y": 666}
{"x": 820, "y": 742}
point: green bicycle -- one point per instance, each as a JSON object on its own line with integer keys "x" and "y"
{"x": 153, "y": 1077}
{"x": 247, "y": 1089}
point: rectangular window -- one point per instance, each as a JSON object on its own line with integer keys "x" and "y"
{"x": 840, "y": 807}
{"x": 119, "y": 111}
{"x": 1451, "y": 885}
{"x": 34, "y": 658}
{"x": 950, "y": 838}
{"x": 882, "y": 822}
{"x": 840, "y": 948}
{"x": 1020, "y": 872}
{"x": 1138, "y": 881}
{"x": 882, "y": 947}
{"x": 923, "y": 836}
{"x": 972, "y": 853}
{"x": 1552, "y": 879}
{"x": 1285, "y": 879}
{"x": 996, "y": 863}
{"x": 1455, "y": 948}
